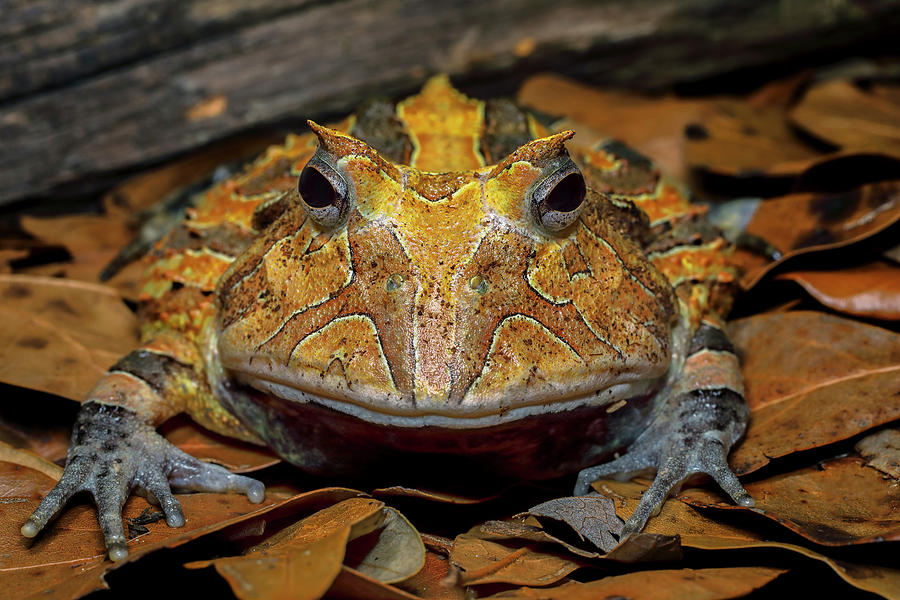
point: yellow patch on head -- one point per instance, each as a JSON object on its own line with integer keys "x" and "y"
{"x": 445, "y": 127}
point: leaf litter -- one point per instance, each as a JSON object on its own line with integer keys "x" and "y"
{"x": 817, "y": 381}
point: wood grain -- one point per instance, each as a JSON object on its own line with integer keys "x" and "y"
{"x": 94, "y": 87}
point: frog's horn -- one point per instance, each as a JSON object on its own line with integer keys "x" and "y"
{"x": 537, "y": 152}
{"x": 339, "y": 145}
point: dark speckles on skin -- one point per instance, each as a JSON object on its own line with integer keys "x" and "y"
{"x": 33, "y": 342}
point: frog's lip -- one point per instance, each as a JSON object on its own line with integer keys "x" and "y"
{"x": 389, "y": 412}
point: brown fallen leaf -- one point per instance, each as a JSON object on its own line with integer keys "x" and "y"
{"x": 529, "y": 529}
{"x": 697, "y": 530}
{"x": 302, "y": 560}
{"x": 669, "y": 584}
{"x": 803, "y": 223}
{"x": 739, "y": 140}
{"x": 483, "y": 561}
{"x": 236, "y": 456}
{"x": 395, "y": 554}
{"x": 350, "y": 583}
{"x": 441, "y": 496}
{"x": 652, "y": 126}
{"x": 435, "y": 581}
{"x": 812, "y": 379}
{"x": 882, "y": 451}
{"x": 871, "y": 290}
{"x": 844, "y": 115}
{"x": 69, "y": 559}
{"x": 30, "y": 460}
{"x": 592, "y": 517}
{"x": 837, "y": 503}
{"x": 61, "y": 335}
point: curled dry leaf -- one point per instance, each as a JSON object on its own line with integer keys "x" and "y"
{"x": 302, "y": 560}
{"x": 882, "y": 451}
{"x": 592, "y": 517}
{"x": 802, "y": 223}
{"x": 396, "y": 554}
{"x": 529, "y": 529}
{"x": 61, "y": 335}
{"x": 483, "y": 561}
{"x": 237, "y": 456}
{"x": 697, "y": 530}
{"x": 871, "y": 290}
{"x": 69, "y": 559}
{"x": 812, "y": 379}
{"x": 669, "y": 584}
{"x": 839, "y": 503}
{"x": 842, "y": 114}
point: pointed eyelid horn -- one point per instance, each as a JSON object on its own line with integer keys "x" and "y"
{"x": 338, "y": 145}
{"x": 537, "y": 152}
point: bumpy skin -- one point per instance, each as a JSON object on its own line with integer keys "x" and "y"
{"x": 444, "y": 309}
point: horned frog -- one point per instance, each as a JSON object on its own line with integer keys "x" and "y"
{"x": 440, "y": 277}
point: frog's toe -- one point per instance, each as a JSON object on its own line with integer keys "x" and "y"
{"x": 624, "y": 468}
{"x": 68, "y": 485}
{"x": 159, "y": 492}
{"x": 188, "y": 473}
{"x": 110, "y": 496}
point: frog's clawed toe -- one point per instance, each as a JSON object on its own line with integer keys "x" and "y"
{"x": 113, "y": 452}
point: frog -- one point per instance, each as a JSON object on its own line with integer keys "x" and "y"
{"x": 438, "y": 277}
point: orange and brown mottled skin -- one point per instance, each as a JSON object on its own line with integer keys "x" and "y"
{"x": 443, "y": 127}
{"x": 444, "y": 307}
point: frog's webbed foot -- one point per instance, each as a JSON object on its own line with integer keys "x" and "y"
{"x": 692, "y": 435}
{"x": 114, "y": 452}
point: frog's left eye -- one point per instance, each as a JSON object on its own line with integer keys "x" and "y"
{"x": 557, "y": 199}
{"x": 324, "y": 192}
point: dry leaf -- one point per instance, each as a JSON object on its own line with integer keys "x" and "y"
{"x": 697, "y": 530}
{"x": 483, "y": 561}
{"x": 812, "y": 379}
{"x": 844, "y": 115}
{"x": 592, "y": 517}
{"x": 837, "y": 503}
{"x": 350, "y": 583}
{"x": 69, "y": 559}
{"x": 871, "y": 290}
{"x": 687, "y": 584}
{"x": 652, "y": 126}
{"x": 802, "y": 223}
{"x": 303, "y": 559}
{"x": 396, "y": 554}
{"x": 60, "y": 335}
{"x": 435, "y": 581}
{"x": 30, "y": 460}
{"x": 882, "y": 451}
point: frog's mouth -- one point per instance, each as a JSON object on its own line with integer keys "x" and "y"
{"x": 395, "y": 411}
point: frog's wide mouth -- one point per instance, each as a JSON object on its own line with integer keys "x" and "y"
{"x": 384, "y": 409}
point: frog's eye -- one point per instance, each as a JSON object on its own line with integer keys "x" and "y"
{"x": 557, "y": 199}
{"x": 324, "y": 192}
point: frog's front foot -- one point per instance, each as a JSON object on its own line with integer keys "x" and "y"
{"x": 691, "y": 435}
{"x": 114, "y": 452}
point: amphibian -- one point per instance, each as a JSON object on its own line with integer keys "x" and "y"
{"x": 443, "y": 277}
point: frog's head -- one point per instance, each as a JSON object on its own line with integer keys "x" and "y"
{"x": 454, "y": 298}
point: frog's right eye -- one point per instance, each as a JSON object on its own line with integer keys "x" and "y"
{"x": 324, "y": 192}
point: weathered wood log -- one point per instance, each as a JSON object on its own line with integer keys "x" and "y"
{"x": 99, "y": 86}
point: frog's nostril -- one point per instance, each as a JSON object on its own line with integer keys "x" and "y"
{"x": 394, "y": 282}
{"x": 479, "y": 284}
